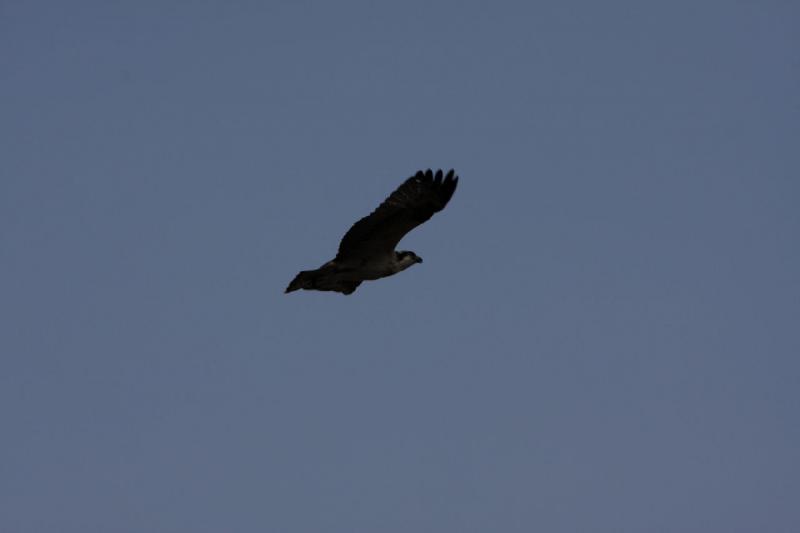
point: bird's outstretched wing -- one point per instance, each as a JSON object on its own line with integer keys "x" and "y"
{"x": 414, "y": 202}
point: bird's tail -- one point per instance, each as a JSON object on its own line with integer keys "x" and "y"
{"x": 325, "y": 278}
{"x": 303, "y": 280}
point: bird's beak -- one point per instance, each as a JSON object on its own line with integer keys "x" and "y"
{"x": 419, "y": 260}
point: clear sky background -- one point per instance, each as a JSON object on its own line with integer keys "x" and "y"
{"x": 604, "y": 335}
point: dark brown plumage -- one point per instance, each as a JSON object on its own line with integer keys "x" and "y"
{"x": 367, "y": 251}
{"x": 411, "y": 204}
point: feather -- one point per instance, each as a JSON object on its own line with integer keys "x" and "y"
{"x": 367, "y": 251}
{"x": 410, "y": 205}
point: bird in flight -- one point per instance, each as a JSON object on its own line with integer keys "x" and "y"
{"x": 367, "y": 249}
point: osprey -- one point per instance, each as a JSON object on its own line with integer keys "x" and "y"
{"x": 367, "y": 249}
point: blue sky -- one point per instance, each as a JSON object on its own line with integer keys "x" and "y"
{"x": 603, "y": 336}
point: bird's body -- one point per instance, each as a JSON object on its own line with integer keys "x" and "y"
{"x": 367, "y": 249}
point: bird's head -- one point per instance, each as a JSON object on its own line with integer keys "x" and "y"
{"x": 406, "y": 258}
